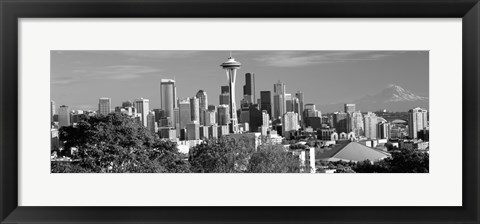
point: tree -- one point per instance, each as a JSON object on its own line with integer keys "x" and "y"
{"x": 223, "y": 155}
{"x": 273, "y": 159}
{"x": 116, "y": 143}
{"x": 402, "y": 161}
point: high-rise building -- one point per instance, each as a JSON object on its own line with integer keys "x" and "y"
{"x": 356, "y": 123}
{"x": 289, "y": 102}
{"x": 299, "y": 96}
{"x": 265, "y": 119}
{"x": 168, "y": 96}
{"x": 195, "y": 110}
{"x": 383, "y": 130}
{"x": 210, "y": 118}
{"x": 417, "y": 121}
{"x": 203, "y": 99}
{"x": 289, "y": 122}
{"x": 104, "y": 105}
{"x": 185, "y": 113}
{"x": 370, "y": 125}
{"x": 151, "y": 122}
{"x": 255, "y": 118}
{"x": 340, "y": 122}
{"x": 223, "y": 116}
{"x": 231, "y": 66}
{"x": 279, "y": 106}
{"x": 52, "y": 110}
{"x": 266, "y": 102}
{"x": 224, "y": 95}
{"x": 249, "y": 88}
{"x": 203, "y": 102}
{"x": 193, "y": 131}
{"x": 142, "y": 107}
{"x": 349, "y": 108}
{"x": 63, "y": 116}
{"x": 311, "y": 111}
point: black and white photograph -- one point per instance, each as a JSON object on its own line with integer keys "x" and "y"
{"x": 239, "y": 111}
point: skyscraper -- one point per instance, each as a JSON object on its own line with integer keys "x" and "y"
{"x": 224, "y": 95}
{"x": 52, "y": 110}
{"x": 249, "y": 88}
{"x": 266, "y": 102}
{"x": 288, "y": 102}
{"x": 349, "y": 108}
{"x": 223, "y": 115}
{"x": 383, "y": 130}
{"x": 203, "y": 103}
{"x": 185, "y": 113}
{"x": 265, "y": 119}
{"x": 370, "y": 125}
{"x": 63, "y": 116}
{"x": 104, "y": 105}
{"x": 290, "y": 123}
{"x": 151, "y": 122}
{"x": 195, "y": 110}
{"x": 340, "y": 122}
{"x": 231, "y": 66}
{"x": 299, "y": 96}
{"x": 142, "y": 107}
{"x": 278, "y": 100}
{"x": 167, "y": 97}
{"x": 417, "y": 121}
{"x": 356, "y": 123}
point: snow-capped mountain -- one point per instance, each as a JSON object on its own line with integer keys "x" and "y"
{"x": 392, "y": 98}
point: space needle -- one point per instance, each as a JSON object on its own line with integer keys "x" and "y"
{"x": 231, "y": 67}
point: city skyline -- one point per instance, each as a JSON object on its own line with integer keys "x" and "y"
{"x": 141, "y": 77}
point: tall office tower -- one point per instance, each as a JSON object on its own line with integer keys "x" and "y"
{"x": 63, "y": 116}
{"x": 210, "y": 118}
{"x": 279, "y": 107}
{"x": 176, "y": 120}
{"x": 266, "y": 101}
{"x": 265, "y": 118}
{"x": 370, "y": 125}
{"x": 104, "y": 105}
{"x": 349, "y": 108}
{"x": 255, "y": 118}
{"x": 52, "y": 110}
{"x": 290, "y": 123}
{"x": 195, "y": 110}
{"x": 127, "y": 103}
{"x": 417, "y": 121}
{"x": 224, "y": 95}
{"x": 167, "y": 96}
{"x": 299, "y": 96}
{"x": 193, "y": 131}
{"x": 356, "y": 123}
{"x": 203, "y": 102}
{"x": 142, "y": 107}
{"x": 212, "y": 108}
{"x": 185, "y": 113}
{"x": 231, "y": 66}
{"x": 383, "y": 130}
{"x": 310, "y": 110}
{"x": 249, "y": 88}
{"x": 223, "y": 115}
{"x": 288, "y": 102}
{"x": 159, "y": 113}
{"x": 151, "y": 122}
{"x": 340, "y": 121}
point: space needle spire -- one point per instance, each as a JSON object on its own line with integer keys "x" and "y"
{"x": 231, "y": 67}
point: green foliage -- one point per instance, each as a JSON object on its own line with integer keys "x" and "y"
{"x": 402, "y": 161}
{"x": 116, "y": 143}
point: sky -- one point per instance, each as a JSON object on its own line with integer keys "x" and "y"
{"x": 79, "y": 78}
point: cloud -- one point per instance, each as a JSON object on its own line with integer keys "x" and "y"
{"x": 305, "y": 58}
{"x": 112, "y": 72}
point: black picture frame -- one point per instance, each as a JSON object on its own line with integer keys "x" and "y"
{"x": 12, "y": 10}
